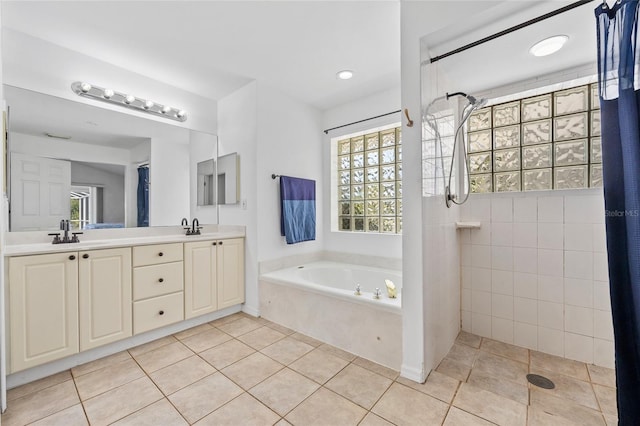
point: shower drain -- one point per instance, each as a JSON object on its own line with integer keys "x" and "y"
{"x": 540, "y": 381}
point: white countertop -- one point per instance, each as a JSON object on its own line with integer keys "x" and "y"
{"x": 124, "y": 241}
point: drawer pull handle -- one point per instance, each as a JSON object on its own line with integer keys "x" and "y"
{"x": 72, "y": 257}
{"x": 161, "y": 313}
{"x": 220, "y": 242}
{"x": 161, "y": 280}
{"x": 214, "y": 243}
{"x": 85, "y": 256}
{"x": 161, "y": 254}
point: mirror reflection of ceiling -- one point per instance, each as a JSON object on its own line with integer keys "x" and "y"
{"x": 507, "y": 59}
{"x": 212, "y": 48}
{"x": 35, "y": 114}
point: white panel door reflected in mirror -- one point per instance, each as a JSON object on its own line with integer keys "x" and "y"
{"x": 206, "y": 183}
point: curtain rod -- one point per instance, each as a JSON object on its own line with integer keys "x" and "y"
{"x": 512, "y": 29}
{"x": 326, "y": 132}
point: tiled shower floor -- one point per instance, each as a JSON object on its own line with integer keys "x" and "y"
{"x": 245, "y": 371}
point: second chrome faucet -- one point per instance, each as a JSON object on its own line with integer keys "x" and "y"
{"x": 195, "y": 226}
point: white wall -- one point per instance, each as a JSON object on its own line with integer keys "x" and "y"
{"x": 112, "y": 189}
{"x": 535, "y": 274}
{"x": 237, "y": 132}
{"x": 169, "y": 182}
{"x": 386, "y": 245}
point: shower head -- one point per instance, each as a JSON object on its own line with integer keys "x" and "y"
{"x": 473, "y": 101}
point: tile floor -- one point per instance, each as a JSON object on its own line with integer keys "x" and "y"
{"x": 240, "y": 370}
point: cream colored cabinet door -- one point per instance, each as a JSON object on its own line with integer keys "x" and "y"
{"x": 105, "y": 296}
{"x": 230, "y": 261}
{"x": 43, "y": 308}
{"x": 200, "y": 290}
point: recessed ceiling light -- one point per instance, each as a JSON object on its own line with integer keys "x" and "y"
{"x": 548, "y": 45}
{"x": 344, "y": 74}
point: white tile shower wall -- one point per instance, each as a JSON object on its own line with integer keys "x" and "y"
{"x": 535, "y": 273}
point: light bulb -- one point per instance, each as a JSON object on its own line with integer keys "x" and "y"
{"x": 85, "y": 87}
{"x": 148, "y": 105}
{"x": 108, "y": 93}
{"x": 129, "y": 99}
{"x": 548, "y": 46}
{"x": 166, "y": 109}
{"x": 181, "y": 113}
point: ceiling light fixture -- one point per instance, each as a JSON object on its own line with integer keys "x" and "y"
{"x": 548, "y": 46}
{"x": 344, "y": 74}
{"x": 128, "y": 101}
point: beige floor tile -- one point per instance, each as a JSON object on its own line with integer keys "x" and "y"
{"x": 306, "y": 339}
{"x": 192, "y": 331}
{"x": 107, "y": 378}
{"x": 569, "y": 388}
{"x": 359, "y": 385}
{"x": 497, "y": 384}
{"x": 373, "y": 420}
{"x": 602, "y": 375}
{"x": 326, "y": 408}
{"x": 283, "y": 422}
{"x": 163, "y": 356}
{"x": 122, "y": 401}
{"x": 489, "y": 406}
{"x": 228, "y": 319}
{"x": 262, "y": 337}
{"x": 340, "y": 353}
{"x": 152, "y": 345}
{"x": 156, "y": 414}
{"x": 454, "y": 369}
{"x": 502, "y": 368}
{"x": 37, "y": 385}
{"x": 458, "y": 417}
{"x": 251, "y": 370}
{"x": 226, "y": 354}
{"x": 287, "y": 350}
{"x": 284, "y": 390}
{"x": 244, "y": 410}
{"x": 176, "y": 376}
{"x": 387, "y": 372}
{"x": 240, "y": 326}
{"x": 437, "y": 385}
{"x": 73, "y": 416}
{"x": 506, "y": 350}
{"x": 319, "y": 365}
{"x": 40, "y": 404}
{"x": 469, "y": 339}
{"x": 100, "y": 363}
{"x": 607, "y": 399}
{"x": 204, "y": 396}
{"x": 404, "y": 406}
{"x": 462, "y": 354}
{"x": 277, "y": 327}
{"x": 206, "y": 340}
{"x": 610, "y": 420}
{"x": 564, "y": 408}
{"x": 536, "y": 416}
{"x": 575, "y": 369}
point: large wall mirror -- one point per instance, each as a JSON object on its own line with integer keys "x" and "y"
{"x": 98, "y": 168}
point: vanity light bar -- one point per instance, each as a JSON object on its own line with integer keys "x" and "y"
{"x": 128, "y": 101}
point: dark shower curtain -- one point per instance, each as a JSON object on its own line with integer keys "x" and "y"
{"x": 143, "y": 196}
{"x": 619, "y": 80}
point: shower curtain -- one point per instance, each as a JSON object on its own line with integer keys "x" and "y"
{"x": 619, "y": 83}
{"x": 143, "y": 196}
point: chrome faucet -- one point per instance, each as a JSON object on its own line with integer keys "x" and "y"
{"x": 195, "y": 227}
{"x": 358, "y": 292}
{"x": 377, "y": 293}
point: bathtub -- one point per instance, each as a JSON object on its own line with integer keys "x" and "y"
{"x": 317, "y": 299}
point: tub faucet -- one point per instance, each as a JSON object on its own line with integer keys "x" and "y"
{"x": 377, "y": 293}
{"x": 358, "y": 293}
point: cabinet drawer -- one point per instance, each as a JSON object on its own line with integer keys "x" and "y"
{"x": 157, "y": 253}
{"x": 157, "y": 312}
{"x": 156, "y": 280}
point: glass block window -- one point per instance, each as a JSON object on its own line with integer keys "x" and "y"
{"x": 550, "y": 141}
{"x": 370, "y": 182}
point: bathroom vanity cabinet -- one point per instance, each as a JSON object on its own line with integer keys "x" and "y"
{"x": 61, "y": 304}
{"x": 214, "y": 275}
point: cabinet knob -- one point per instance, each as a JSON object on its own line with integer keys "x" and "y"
{"x": 85, "y": 256}
{"x": 161, "y": 280}
{"x": 161, "y": 254}
{"x": 214, "y": 243}
{"x": 72, "y": 257}
{"x": 220, "y": 243}
{"x": 161, "y": 313}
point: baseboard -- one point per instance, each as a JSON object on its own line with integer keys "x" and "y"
{"x": 251, "y": 310}
{"x": 416, "y": 374}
